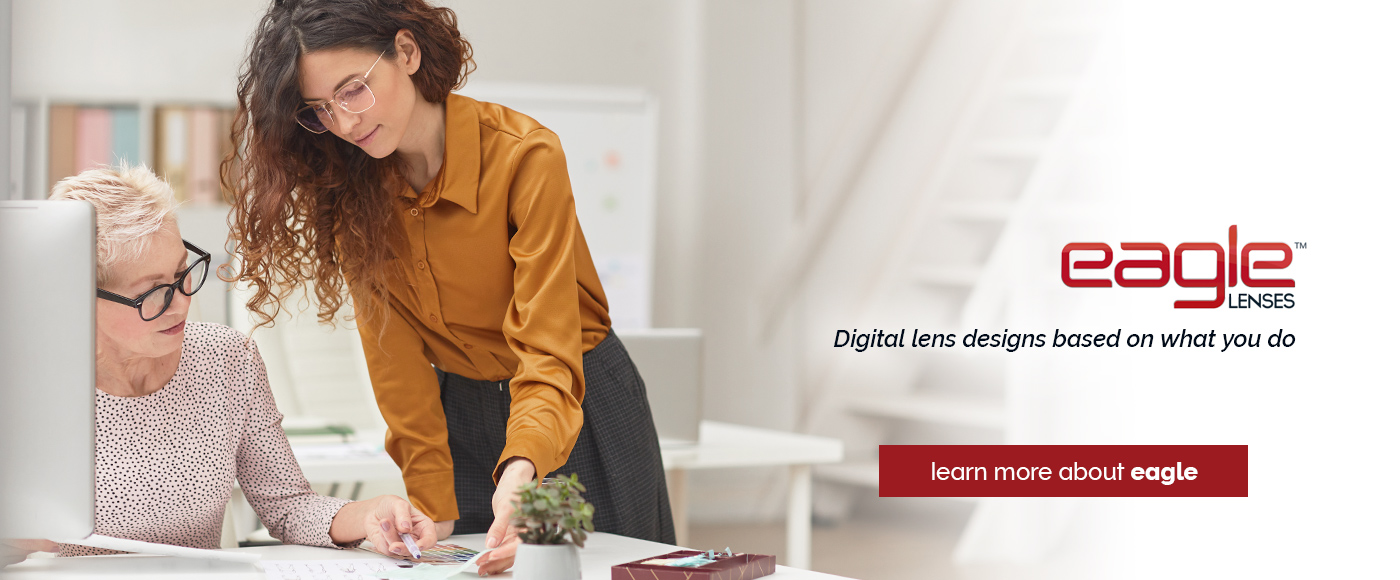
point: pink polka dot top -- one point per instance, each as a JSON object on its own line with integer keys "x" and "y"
{"x": 167, "y": 462}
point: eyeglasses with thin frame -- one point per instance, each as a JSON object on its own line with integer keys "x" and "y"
{"x": 188, "y": 282}
{"x": 354, "y": 97}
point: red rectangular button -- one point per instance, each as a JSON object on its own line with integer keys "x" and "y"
{"x": 1064, "y": 471}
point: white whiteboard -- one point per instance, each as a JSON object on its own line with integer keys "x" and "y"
{"x": 609, "y": 138}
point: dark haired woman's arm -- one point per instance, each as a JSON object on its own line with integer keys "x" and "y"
{"x": 542, "y": 323}
{"x": 542, "y": 327}
{"x": 406, "y": 390}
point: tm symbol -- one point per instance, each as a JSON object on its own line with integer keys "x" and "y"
{"x": 1300, "y": 245}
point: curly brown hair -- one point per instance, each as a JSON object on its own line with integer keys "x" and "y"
{"x": 315, "y": 208}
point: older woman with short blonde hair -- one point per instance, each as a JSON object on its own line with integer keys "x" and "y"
{"x": 183, "y": 408}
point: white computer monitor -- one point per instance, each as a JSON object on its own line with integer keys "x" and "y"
{"x": 669, "y": 361}
{"x": 47, "y": 368}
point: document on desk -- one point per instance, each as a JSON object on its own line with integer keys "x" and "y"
{"x": 139, "y": 547}
{"x": 355, "y": 570}
{"x": 327, "y": 569}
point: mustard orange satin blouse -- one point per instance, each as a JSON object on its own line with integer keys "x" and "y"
{"x": 499, "y": 285}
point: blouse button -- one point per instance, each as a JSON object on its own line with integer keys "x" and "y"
{"x": 413, "y": 211}
{"x": 421, "y": 265}
{"x": 467, "y": 346}
{"x": 433, "y": 317}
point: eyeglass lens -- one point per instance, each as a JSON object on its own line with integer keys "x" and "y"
{"x": 310, "y": 117}
{"x": 355, "y": 97}
{"x": 156, "y": 302}
{"x": 195, "y": 279}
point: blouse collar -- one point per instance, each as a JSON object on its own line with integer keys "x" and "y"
{"x": 457, "y": 179}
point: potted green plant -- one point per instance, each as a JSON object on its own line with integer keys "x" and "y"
{"x": 554, "y": 522}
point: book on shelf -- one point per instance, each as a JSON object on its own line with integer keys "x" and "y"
{"x": 190, "y": 143}
{"x": 63, "y": 133}
{"x": 203, "y": 176}
{"x": 92, "y": 138}
{"x": 126, "y": 135}
{"x": 172, "y": 148}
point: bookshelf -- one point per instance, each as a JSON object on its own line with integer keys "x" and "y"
{"x": 183, "y": 142}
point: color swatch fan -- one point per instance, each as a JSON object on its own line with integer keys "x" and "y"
{"x": 441, "y": 554}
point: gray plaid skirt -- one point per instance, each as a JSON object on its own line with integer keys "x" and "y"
{"x": 617, "y": 456}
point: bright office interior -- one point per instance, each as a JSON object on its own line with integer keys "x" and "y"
{"x": 805, "y": 166}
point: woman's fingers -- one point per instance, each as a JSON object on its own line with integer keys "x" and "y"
{"x": 30, "y": 546}
{"x": 426, "y": 532}
{"x": 502, "y": 504}
{"x": 497, "y": 533}
{"x": 392, "y": 539}
{"x": 376, "y": 537}
{"x": 15, "y": 551}
{"x": 394, "y": 517}
{"x": 499, "y": 560}
{"x": 502, "y": 534}
{"x": 505, "y": 552}
{"x": 403, "y": 515}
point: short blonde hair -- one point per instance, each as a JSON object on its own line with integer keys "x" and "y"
{"x": 131, "y": 203}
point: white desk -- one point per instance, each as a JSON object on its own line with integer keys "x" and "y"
{"x": 322, "y": 464}
{"x": 603, "y": 551}
{"x": 722, "y": 445}
{"x": 725, "y": 445}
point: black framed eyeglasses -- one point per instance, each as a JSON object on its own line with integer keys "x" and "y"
{"x": 155, "y": 301}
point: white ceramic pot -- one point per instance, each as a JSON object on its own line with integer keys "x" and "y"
{"x": 547, "y": 562}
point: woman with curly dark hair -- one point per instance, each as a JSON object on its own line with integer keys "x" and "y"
{"x": 451, "y": 224}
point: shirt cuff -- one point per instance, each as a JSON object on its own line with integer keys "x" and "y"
{"x": 434, "y": 494}
{"x": 533, "y": 445}
{"x": 332, "y": 543}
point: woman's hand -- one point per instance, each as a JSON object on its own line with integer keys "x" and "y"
{"x": 518, "y": 471}
{"x": 380, "y": 520}
{"x": 15, "y": 551}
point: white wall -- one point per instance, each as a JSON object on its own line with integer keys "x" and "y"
{"x": 130, "y": 49}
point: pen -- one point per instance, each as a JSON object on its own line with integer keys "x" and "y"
{"x": 412, "y": 547}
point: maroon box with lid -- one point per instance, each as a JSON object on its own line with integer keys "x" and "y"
{"x": 736, "y": 567}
